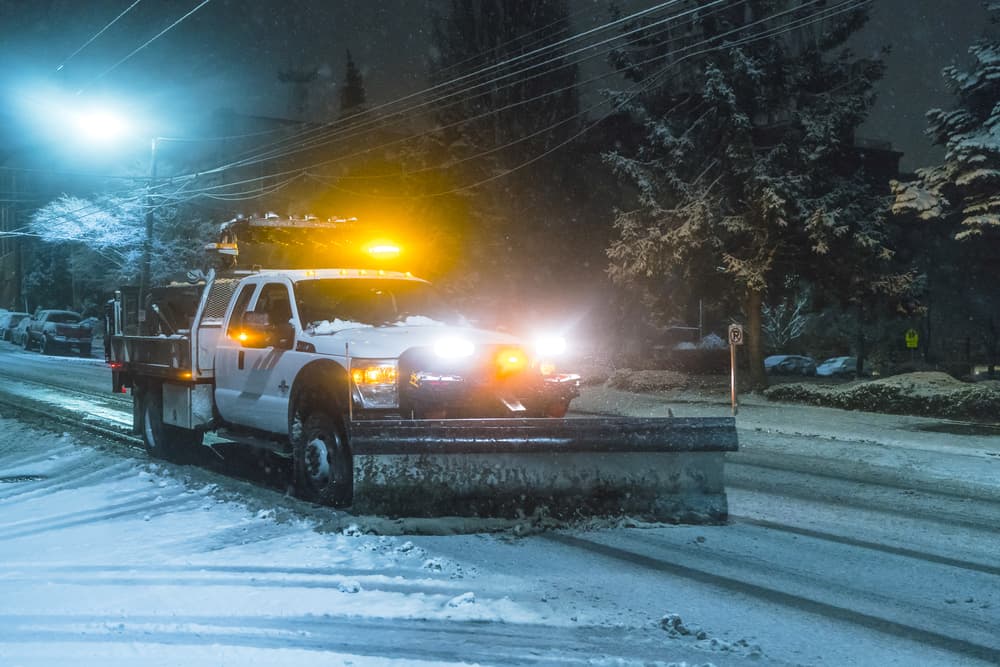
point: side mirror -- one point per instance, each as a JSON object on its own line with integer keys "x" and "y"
{"x": 257, "y": 331}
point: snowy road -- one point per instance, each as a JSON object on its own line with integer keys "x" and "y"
{"x": 856, "y": 539}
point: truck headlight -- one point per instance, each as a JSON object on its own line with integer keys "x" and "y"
{"x": 375, "y": 382}
{"x": 547, "y": 347}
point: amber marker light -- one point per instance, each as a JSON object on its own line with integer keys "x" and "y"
{"x": 511, "y": 360}
{"x": 383, "y": 249}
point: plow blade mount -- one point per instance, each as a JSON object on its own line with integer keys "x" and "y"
{"x": 664, "y": 469}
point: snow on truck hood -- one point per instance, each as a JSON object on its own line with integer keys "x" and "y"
{"x": 385, "y": 342}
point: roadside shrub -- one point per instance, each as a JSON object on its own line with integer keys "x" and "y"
{"x": 922, "y": 394}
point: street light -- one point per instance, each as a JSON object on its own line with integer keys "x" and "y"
{"x": 104, "y": 126}
{"x": 100, "y": 126}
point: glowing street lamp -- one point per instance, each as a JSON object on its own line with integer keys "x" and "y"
{"x": 100, "y": 126}
{"x": 103, "y": 126}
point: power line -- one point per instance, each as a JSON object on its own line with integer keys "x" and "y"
{"x": 821, "y": 15}
{"x": 97, "y": 34}
{"x": 473, "y": 118}
{"x": 481, "y": 71}
{"x": 847, "y": 6}
{"x": 150, "y": 41}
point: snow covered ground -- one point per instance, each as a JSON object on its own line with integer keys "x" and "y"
{"x": 848, "y": 556}
{"x": 114, "y": 560}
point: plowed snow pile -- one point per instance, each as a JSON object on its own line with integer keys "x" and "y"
{"x": 930, "y": 394}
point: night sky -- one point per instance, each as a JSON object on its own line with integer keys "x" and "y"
{"x": 228, "y": 54}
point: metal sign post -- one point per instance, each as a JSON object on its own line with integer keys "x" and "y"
{"x": 735, "y": 338}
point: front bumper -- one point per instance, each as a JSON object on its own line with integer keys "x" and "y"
{"x": 452, "y": 395}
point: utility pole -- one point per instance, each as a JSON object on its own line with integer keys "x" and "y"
{"x": 147, "y": 245}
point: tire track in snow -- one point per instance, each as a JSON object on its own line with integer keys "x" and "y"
{"x": 800, "y": 484}
{"x": 445, "y": 640}
{"x": 971, "y": 648}
{"x": 865, "y": 544}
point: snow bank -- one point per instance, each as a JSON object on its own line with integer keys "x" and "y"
{"x": 928, "y": 394}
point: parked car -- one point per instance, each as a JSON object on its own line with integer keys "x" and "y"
{"x": 790, "y": 364}
{"x": 838, "y": 367}
{"x": 8, "y": 321}
{"x": 17, "y": 333}
{"x": 57, "y": 330}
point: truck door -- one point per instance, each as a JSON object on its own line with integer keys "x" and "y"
{"x": 258, "y": 395}
{"x": 229, "y": 376}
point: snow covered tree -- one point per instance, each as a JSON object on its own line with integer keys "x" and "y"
{"x": 960, "y": 197}
{"x": 352, "y": 90}
{"x": 97, "y": 245}
{"x": 747, "y": 173}
{"x": 967, "y": 184}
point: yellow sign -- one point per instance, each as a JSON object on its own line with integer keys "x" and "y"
{"x": 911, "y": 338}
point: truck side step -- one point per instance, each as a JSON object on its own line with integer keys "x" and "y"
{"x": 662, "y": 469}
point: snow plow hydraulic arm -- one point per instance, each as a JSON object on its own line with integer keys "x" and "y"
{"x": 662, "y": 469}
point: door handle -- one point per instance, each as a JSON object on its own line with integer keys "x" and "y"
{"x": 239, "y": 360}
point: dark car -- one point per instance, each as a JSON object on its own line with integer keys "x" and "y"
{"x": 57, "y": 330}
{"x": 790, "y": 364}
{"x": 17, "y": 333}
{"x": 9, "y": 321}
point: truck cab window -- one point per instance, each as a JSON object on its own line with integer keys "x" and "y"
{"x": 239, "y": 308}
{"x": 275, "y": 303}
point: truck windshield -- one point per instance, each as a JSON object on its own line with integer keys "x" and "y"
{"x": 63, "y": 318}
{"x": 330, "y": 305}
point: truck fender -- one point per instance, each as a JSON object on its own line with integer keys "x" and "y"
{"x": 318, "y": 431}
{"x": 321, "y": 380}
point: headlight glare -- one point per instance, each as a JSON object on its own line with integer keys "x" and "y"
{"x": 454, "y": 348}
{"x": 550, "y": 346}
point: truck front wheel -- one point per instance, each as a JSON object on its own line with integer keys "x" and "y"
{"x": 164, "y": 441}
{"x": 321, "y": 459}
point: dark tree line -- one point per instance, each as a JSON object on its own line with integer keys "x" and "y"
{"x": 721, "y": 175}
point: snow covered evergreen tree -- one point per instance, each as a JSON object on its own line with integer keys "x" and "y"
{"x": 961, "y": 196}
{"x": 352, "y": 91}
{"x": 747, "y": 173}
{"x": 966, "y": 185}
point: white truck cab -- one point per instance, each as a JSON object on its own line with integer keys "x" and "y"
{"x": 296, "y": 356}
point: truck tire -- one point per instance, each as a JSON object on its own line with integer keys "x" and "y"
{"x": 26, "y": 342}
{"x": 164, "y": 441}
{"x": 321, "y": 458}
{"x": 45, "y": 346}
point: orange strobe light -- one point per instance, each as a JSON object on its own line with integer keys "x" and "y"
{"x": 511, "y": 360}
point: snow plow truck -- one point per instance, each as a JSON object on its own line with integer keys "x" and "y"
{"x": 385, "y": 399}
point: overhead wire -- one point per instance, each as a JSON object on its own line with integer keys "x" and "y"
{"x": 97, "y": 34}
{"x": 257, "y": 192}
{"x": 149, "y": 41}
{"x": 486, "y": 69}
{"x": 821, "y": 15}
{"x": 494, "y": 111}
{"x": 316, "y": 142}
